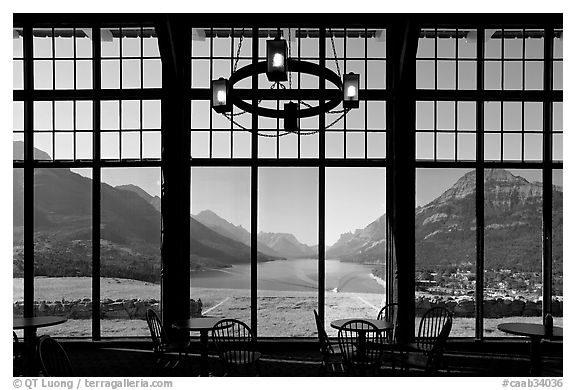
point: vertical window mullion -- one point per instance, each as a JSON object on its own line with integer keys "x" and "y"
{"x": 141, "y": 88}
{"x": 232, "y": 112}
{"x": 345, "y": 127}
{"x": 74, "y": 86}
{"x": 52, "y": 101}
{"x": 365, "y": 88}
{"x": 479, "y": 209}
{"x": 547, "y": 180}
{"x": 211, "y": 78}
{"x": 502, "y": 61}
{"x": 120, "y": 101}
{"x": 456, "y": 102}
{"x": 522, "y": 154}
{"x": 96, "y": 182}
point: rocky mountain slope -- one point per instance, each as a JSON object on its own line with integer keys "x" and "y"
{"x": 446, "y": 227}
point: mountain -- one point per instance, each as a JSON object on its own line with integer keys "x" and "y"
{"x": 364, "y": 245}
{"x": 445, "y": 229}
{"x": 130, "y": 230}
{"x": 213, "y": 221}
{"x": 287, "y": 245}
{"x": 153, "y": 200}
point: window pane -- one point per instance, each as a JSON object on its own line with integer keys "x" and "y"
{"x": 466, "y": 75}
{"x": 445, "y": 146}
{"x": 334, "y": 144}
{"x": 446, "y": 74}
{"x": 512, "y": 75}
{"x": 445, "y": 239}
{"x": 534, "y": 77}
{"x": 129, "y": 249}
{"x": 43, "y": 75}
{"x": 355, "y": 144}
{"x": 200, "y": 144}
{"x": 424, "y": 115}
{"x": 288, "y": 225}
{"x": 512, "y": 248}
{"x": 110, "y": 74}
{"x": 18, "y": 238}
{"x": 63, "y": 248}
{"x": 220, "y": 207}
{"x": 131, "y": 74}
{"x": 425, "y": 75}
{"x": 557, "y": 247}
{"x": 424, "y": 146}
{"x": 493, "y": 75}
{"x": 356, "y": 244}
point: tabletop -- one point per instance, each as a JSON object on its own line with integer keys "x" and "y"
{"x": 198, "y": 324}
{"x": 379, "y": 324}
{"x": 37, "y": 322}
{"x": 530, "y": 330}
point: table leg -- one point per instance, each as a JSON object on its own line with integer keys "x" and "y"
{"x": 362, "y": 351}
{"x": 535, "y": 356}
{"x": 30, "y": 363}
{"x": 204, "y": 352}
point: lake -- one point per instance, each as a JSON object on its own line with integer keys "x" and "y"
{"x": 292, "y": 275}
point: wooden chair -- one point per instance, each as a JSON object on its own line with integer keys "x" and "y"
{"x": 427, "y": 353}
{"x": 360, "y": 342}
{"x": 390, "y": 344}
{"x": 17, "y": 356}
{"x": 236, "y": 346}
{"x": 163, "y": 347}
{"x": 331, "y": 353}
{"x": 53, "y": 358}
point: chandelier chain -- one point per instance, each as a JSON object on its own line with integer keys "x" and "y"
{"x": 289, "y": 56}
{"x": 334, "y": 51}
{"x": 238, "y": 51}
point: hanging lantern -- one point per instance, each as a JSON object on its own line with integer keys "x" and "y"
{"x": 276, "y": 57}
{"x": 291, "y": 116}
{"x": 220, "y": 99}
{"x": 351, "y": 86}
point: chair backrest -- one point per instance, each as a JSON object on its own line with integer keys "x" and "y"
{"x": 436, "y": 353}
{"x": 325, "y": 346}
{"x": 159, "y": 338}
{"x": 234, "y": 341}
{"x": 432, "y": 324}
{"x": 360, "y": 351}
{"x": 390, "y": 313}
{"x": 53, "y": 359}
{"x": 16, "y": 355}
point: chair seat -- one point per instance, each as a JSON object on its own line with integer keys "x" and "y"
{"x": 336, "y": 348}
{"x": 176, "y": 346}
{"x": 415, "y": 359}
{"x": 239, "y": 357}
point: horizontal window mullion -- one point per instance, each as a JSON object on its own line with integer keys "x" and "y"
{"x": 500, "y": 95}
{"x": 87, "y": 94}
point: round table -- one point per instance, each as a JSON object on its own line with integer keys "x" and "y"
{"x": 536, "y": 332}
{"x": 37, "y": 322}
{"x": 31, "y": 324}
{"x": 378, "y": 324}
{"x": 202, "y": 325}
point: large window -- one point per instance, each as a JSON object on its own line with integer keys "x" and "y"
{"x": 63, "y": 106}
{"x": 458, "y": 137}
{"x": 87, "y": 139}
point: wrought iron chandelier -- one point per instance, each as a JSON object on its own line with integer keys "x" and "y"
{"x": 279, "y": 66}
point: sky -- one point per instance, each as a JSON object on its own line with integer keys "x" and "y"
{"x": 288, "y": 199}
